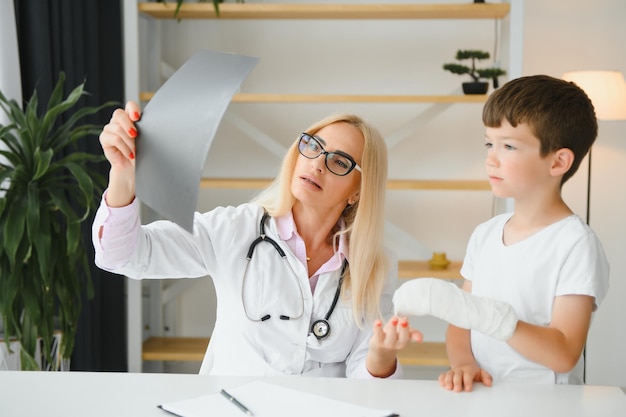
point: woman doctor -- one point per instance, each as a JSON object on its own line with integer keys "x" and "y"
{"x": 301, "y": 276}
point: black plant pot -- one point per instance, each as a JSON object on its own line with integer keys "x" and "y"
{"x": 475, "y": 87}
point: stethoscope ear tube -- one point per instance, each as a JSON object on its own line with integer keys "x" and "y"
{"x": 264, "y": 238}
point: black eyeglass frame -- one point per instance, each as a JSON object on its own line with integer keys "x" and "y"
{"x": 308, "y": 138}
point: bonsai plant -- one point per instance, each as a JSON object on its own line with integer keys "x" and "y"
{"x": 47, "y": 189}
{"x": 476, "y": 86}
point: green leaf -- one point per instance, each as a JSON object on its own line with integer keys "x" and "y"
{"x": 84, "y": 183}
{"x": 42, "y": 162}
{"x": 33, "y": 210}
{"x": 53, "y": 112}
{"x": 67, "y": 133}
{"x": 471, "y": 54}
{"x": 57, "y": 93}
{"x": 14, "y": 229}
{"x": 11, "y": 157}
{"x": 12, "y": 143}
{"x": 42, "y": 243}
{"x": 59, "y": 201}
{"x": 5, "y": 174}
{"x": 27, "y": 361}
{"x": 72, "y": 236}
{"x": 29, "y": 130}
{"x": 29, "y": 336}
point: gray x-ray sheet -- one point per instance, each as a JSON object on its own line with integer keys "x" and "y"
{"x": 177, "y": 128}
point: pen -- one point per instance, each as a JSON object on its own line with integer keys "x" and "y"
{"x": 237, "y": 403}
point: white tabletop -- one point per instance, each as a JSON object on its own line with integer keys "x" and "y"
{"x": 127, "y": 394}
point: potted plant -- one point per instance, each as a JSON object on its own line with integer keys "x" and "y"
{"x": 476, "y": 86}
{"x": 47, "y": 189}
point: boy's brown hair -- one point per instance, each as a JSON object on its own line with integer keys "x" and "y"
{"x": 558, "y": 112}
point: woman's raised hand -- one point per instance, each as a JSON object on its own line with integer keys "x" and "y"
{"x": 118, "y": 144}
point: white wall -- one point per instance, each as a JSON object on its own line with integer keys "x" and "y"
{"x": 405, "y": 58}
{"x": 561, "y": 36}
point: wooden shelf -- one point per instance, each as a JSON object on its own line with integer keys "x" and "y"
{"x": 344, "y": 98}
{"x": 260, "y": 183}
{"x": 424, "y": 354}
{"x": 192, "y": 349}
{"x": 174, "y": 349}
{"x": 457, "y": 185}
{"x": 235, "y": 183}
{"x": 419, "y": 269}
{"x": 327, "y": 11}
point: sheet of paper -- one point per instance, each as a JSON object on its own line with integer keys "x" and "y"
{"x": 177, "y": 128}
{"x": 268, "y": 400}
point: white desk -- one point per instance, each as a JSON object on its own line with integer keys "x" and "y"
{"x": 90, "y": 394}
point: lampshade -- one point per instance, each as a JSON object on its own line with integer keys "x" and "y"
{"x": 606, "y": 89}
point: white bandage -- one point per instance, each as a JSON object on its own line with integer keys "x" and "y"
{"x": 444, "y": 300}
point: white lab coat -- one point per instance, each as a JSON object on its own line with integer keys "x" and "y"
{"x": 240, "y": 346}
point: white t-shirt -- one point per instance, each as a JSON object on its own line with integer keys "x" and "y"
{"x": 564, "y": 258}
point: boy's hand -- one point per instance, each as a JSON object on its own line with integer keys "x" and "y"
{"x": 463, "y": 377}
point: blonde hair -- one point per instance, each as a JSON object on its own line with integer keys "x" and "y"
{"x": 364, "y": 220}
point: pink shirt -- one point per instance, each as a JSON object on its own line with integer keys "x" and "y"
{"x": 288, "y": 233}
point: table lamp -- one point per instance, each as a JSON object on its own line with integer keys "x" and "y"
{"x": 607, "y": 92}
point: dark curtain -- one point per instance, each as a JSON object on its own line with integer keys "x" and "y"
{"x": 82, "y": 38}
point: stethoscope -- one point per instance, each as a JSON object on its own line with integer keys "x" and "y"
{"x": 320, "y": 328}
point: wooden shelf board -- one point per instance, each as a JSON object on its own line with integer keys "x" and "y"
{"x": 327, "y": 11}
{"x": 193, "y": 349}
{"x": 235, "y": 183}
{"x": 419, "y": 269}
{"x": 174, "y": 349}
{"x": 344, "y": 98}
{"x": 259, "y": 183}
{"x": 458, "y": 185}
{"x": 356, "y": 98}
{"x": 424, "y": 354}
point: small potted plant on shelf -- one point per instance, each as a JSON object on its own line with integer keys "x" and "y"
{"x": 476, "y": 86}
{"x": 47, "y": 189}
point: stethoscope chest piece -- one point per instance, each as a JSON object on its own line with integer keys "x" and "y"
{"x": 321, "y": 329}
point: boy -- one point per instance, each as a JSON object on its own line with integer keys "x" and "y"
{"x": 532, "y": 277}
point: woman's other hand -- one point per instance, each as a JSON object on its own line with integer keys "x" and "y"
{"x": 385, "y": 343}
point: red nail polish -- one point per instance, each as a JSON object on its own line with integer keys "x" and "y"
{"x": 132, "y": 132}
{"x": 131, "y": 156}
{"x": 135, "y": 115}
{"x": 394, "y": 321}
{"x": 404, "y": 324}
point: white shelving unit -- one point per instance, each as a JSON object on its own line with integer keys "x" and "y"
{"x": 144, "y": 71}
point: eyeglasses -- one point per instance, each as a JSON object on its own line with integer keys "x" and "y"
{"x": 339, "y": 163}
